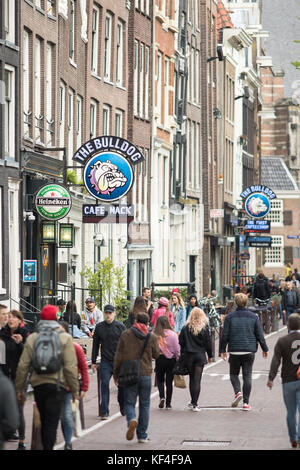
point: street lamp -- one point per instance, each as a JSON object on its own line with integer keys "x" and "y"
{"x": 66, "y": 235}
{"x": 48, "y": 232}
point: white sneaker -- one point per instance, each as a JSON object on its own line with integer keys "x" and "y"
{"x": 246, "y": 407}
{"x": 144, "y": 441}
{"x": 236, "y": 400}
{"x": 196, "y": 408}
{"x": 190, "y": 405}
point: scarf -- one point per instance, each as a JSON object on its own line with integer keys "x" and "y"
{"x": 142, "y": 328}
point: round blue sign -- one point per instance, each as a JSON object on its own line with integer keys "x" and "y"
{"x": 257, "y": 205}
{"x": 108, "y": 176}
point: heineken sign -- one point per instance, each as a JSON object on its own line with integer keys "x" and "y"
{"x": 108, "y": 167}
{"x": 53, "y": 202}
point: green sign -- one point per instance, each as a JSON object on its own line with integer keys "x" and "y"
{"x": 53, "y": 202}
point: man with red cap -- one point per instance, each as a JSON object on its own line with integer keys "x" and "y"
{"x": 49, "y": 388}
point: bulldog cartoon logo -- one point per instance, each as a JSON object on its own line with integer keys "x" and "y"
{"x": 108, "y": 176}
{"x": 105, "y": 177}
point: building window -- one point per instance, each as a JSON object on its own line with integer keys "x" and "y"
{"x": 147, "y": 91}
{"x": 275, "y": 254}
{"x": 78, "y": 121}
{"x": 95, "y": 40}
{"x": 107, "y": 46}
{"x": 70, "y": 124}
{"x": 9, "y": 20}
{"x": 166, "y": 91}
{"x": 276, "y": 212}
{"x": 158, "y": 85}
{"x": 38, "y": 83}
{"x": 27, "y": 110}
{"x": 106, "y": 120}
{"x": 62, "y": 109}
{"x": 49, "y": 87}
{"x": 72, "y": 26}
{"x": 9, "y": 113}
{"x": 141, "y": 80}
{"x": 135, "y": 85}
{"x": 93, "y": 118}
{"x": 120, "y": 53}
{"x": 119, "y": 123}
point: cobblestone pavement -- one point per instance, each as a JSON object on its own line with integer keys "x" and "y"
{"x": 217, "y": 426}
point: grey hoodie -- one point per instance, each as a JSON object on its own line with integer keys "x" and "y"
{"x": 90, "y": 319}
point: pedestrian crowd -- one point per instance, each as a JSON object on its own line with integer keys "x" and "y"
{"x": 175, "y": 336}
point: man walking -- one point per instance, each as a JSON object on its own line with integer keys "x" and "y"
{"x": 49, "y": 387}
{"x": 242, "y": 332}
{"x": 91, "y": 316}
{"x": 106, "y": 335}
{"x": 129, "y": 348}
{"x": 290, "y": 300}
{"x": 287, "y": 351}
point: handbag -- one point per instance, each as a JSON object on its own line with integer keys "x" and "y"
{"x": 180, "y": 367}
{"x": 77, "y": 429}
{"x": 130, "y": 371}
{"x": 179, "y": 381}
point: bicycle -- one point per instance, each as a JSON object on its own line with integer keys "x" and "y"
{"x": 214, "y": 319}
{"x": 264, "y": 313}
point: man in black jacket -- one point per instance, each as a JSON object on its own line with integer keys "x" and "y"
{"x": 242, "y": 331}
{"x": 290, "y": 300}
{"x": 287, "y": 350}
{"x": 261, "y": 288}
{"x": 106, "y": 335}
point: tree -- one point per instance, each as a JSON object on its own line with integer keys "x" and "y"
{"x": 107, "y": 284}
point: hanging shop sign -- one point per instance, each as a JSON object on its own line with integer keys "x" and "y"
{"x": 30, "y": 270}
{"x": 107, "y": 213}
{"x": 259, "y": 242}
{"x": 53, "y": 202}
{"x": 257, "y": 200}
{"x": 108, "y": 167}
{"x": 257, "y": 226}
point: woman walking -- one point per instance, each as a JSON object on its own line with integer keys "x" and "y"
{"x": 139, "y": 306}
{"x": 170, "y": 352}
{"x": 178, "y": 310}
{"x": 192, "y": 302}
{"x": 14, "y": 335}
{"x": 163, "y": 309}
{"x": 195, "y": 343}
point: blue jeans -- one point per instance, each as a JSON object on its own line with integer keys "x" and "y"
{"x": 290, "y": 310}
{"x": 142, "y": 390}
{"x": 106, "y": 372}
{"x": 66, "y": 418}
{"x": 291, "y": 396}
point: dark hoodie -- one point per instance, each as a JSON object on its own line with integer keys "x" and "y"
{"x": 13, "y": 350}
{"x": 189, "y": 307}
{"x": 130, "y": 346}
{"x": 9, "y": 413}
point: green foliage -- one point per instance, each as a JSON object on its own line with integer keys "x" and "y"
{"x": 111, "y": 279}
{"x": 296, "y": 64}
{"x": 72, "y": 176}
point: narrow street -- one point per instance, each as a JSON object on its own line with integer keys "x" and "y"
{"x": 216, "y": 427}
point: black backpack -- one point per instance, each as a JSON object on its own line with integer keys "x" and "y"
{"x": 47, "y": 358}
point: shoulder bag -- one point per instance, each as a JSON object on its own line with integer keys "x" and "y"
{"x": 130, "y": 371}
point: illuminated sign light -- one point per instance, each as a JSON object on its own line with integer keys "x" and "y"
{"x": 257, "y": 226}
{"x": 92, "y": 213}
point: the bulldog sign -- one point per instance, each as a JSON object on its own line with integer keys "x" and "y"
{"x": 108, "y": 160}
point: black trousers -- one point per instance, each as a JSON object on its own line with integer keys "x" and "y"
{"x": 49, "y": 401}
{"x": 164, "y": 372}
{"x": 236, "y": 362}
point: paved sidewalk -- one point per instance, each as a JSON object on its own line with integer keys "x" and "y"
{"x": 216, "y": 426}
